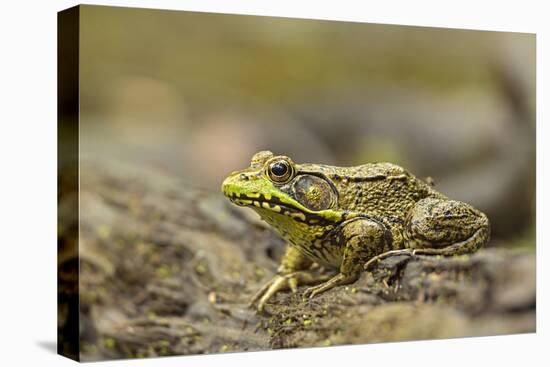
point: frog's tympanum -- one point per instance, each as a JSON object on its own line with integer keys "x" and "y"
{"x": 346, "y": 218}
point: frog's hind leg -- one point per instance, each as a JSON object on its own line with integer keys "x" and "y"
{"x": 445, "y": 227}
{"x": 441, "y": 227}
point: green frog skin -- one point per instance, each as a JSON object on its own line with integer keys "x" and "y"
{"x": 347, "y": 218}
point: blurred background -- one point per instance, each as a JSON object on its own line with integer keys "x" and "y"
{"x": 196, "y": 94}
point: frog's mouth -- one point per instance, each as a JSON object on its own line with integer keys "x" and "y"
{"x": 274, "y": 204}
{"x": 260, "y": 201}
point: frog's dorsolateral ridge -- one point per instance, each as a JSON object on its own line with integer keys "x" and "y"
{"x": 346, "y": 218}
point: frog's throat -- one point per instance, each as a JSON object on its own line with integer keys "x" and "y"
{"x": 275, "y": 204}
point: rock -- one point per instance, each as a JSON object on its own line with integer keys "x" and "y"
{"x": 166, "y": 269}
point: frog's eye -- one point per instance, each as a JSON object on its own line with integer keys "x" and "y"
{"x": 280, "y": 171}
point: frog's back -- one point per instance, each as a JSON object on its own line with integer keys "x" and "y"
{"x": 364, "y": 172}
{"x": 377, "y": 189}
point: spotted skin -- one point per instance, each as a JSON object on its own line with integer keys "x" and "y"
{"x": 348, "y": 218}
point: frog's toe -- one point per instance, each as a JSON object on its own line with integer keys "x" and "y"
{"x": 339, "y": 279}
{"x": 293, "y": 284}
{"x": 376, "y": 259}
{"x": 261, "y": 292}
{"x": 311, "y": 292}
{"x": 268, "y": 290}
{"x": 281, "y": 283}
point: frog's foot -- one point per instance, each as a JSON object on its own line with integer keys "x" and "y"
{"x": 446, "y": 251}
{"x": 283, "y": 282}
{"x": 339, "y": 279}
{"x": 378, "y": 258}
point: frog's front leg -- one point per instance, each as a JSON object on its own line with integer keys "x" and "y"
{"x": 364, "y": 238}
{"x": 294, "y": 270}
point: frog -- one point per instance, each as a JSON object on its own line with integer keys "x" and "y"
{"x": 347, "y": 219}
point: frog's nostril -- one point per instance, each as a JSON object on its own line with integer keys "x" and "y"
{"x": 243, "y": 177}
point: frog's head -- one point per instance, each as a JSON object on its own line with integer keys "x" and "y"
{"x": 278, "y": 185}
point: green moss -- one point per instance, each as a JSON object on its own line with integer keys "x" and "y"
{"x": 224, "y": 348}
{"x": 201, "y": 268}
{"x": 163, "y": 271}
{"x": 109, "y": 343}
{"x": 103, "y": 231}
{"x": 164, "y": 347}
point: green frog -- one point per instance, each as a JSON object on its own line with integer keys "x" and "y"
{"x": 349, "y": 218}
